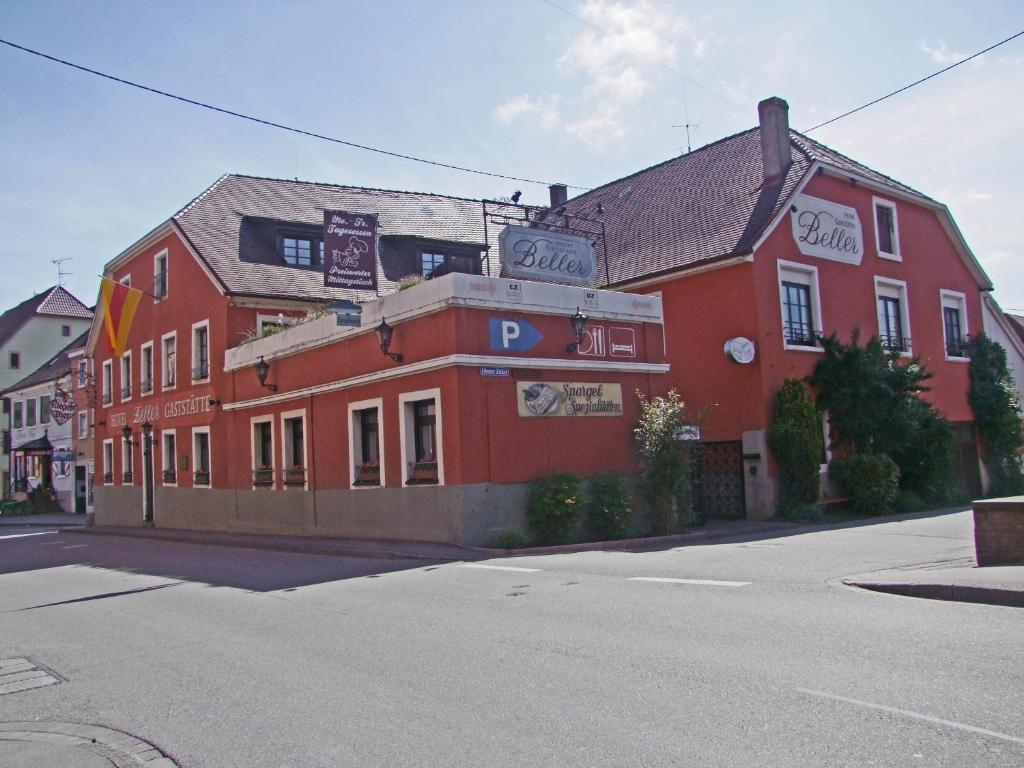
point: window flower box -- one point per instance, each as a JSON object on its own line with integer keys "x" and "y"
{"x": 295, "y": 476}
{"x": 264, "y": 476}
{"x": 367, "y": 474}
{"x": 423, "y": 473}
{"x": 108, "y": 478}
{"x": 127, "y": 479}
{"x": 201, "y": 477}
{"x": 170, "y": 476}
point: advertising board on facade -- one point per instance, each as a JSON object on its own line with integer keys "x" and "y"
{"x": 827, "y": 230}
{"x": 551, "y": 257}
{"x": 350, "y": 250}
{"x": 568, "y": 398}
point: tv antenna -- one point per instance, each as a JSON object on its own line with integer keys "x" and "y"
{"x": 687, "y": 125}
{"x": 61, "y": 274}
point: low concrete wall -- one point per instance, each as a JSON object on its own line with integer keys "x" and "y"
{"x": 118, "y": 505}
{"x": 999, "y": 530}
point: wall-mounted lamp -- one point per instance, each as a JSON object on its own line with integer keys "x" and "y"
{"x": 262, "y": 369}
{"x": 147, "y": 429}
{"x": 384, "y": 332}
{"x": 579, "y": 327}
{"x": 214, "y": 402}
{"x": 127, "y": 432}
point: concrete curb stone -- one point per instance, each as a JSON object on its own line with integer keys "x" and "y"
{"x": 83, "y": 735}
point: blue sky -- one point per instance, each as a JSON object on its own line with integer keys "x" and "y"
{"x": 88, "y": 166}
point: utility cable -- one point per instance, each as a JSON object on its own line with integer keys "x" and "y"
{"x": 272, "y": 124}
{"x": 916, "y": 82}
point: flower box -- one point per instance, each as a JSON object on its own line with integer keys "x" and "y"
{"x": 295, "y": 476}
{"x": 423, "y": 473}
{"x": 263, "y": 476}
{"x": 367, "y": 474}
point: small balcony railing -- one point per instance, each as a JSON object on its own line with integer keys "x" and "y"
{"x": 367, "y": 474}
{"x": 126, "y": 392}
{"x": 799, "y": 334}
{"x": 146, "y": 386}
{"x": 295, "y": 476}
{"x": 201, "y": 371}
{"x": 127, "y": 478}
{"x": 108, "y": 478}
{"x": 423, "y": 473}
{"x": 170, "y": 477}
{"x": 201, "y": 477}
{"x": 957, "y": 347}
{"x": 895, "y": 342}
{"x": 263, "y": 477}
{"x": 108, "y": 398}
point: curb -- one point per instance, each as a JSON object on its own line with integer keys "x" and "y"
{"x": 313, "y": 547}
{"x": 83, "y": 735}
{"x": 961, "y": 593}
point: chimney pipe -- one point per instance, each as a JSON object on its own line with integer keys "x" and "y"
{"x": 775, "y": 150}
{"x": 559, "y": 194}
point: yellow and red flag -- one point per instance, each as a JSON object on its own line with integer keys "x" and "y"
{"x": 119, "y": 303}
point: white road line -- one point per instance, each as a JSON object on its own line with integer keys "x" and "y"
{"x": 914, "y": 715}
{"x": 74, "y": 546}
{"x": 23, "y": 535}
{"x": 498, "y": 567}
{"x": 707, "y": 582}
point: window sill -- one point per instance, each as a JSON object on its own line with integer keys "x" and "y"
{"x": 802, "y": 348}
{"x": 957, "y": 359}
{"x": 890, "y": 256}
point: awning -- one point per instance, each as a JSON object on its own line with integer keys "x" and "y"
{"x": 41, "y": 446}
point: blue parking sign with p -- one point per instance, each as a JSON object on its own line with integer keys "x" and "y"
{"x": 508, "y": 335}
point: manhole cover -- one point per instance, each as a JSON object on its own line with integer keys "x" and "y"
{"x": 23, "y": 675}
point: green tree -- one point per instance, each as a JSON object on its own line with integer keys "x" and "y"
{"x": 664, "y": 459}
{"x": 997, "y": 412}
{"x": 795, "y": 438}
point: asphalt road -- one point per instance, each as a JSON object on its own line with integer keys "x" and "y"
{"x": 233, "y": 657}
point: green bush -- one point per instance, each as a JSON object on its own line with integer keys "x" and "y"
{"x": 909, "y": 501}
{"x": 553, "y": 508}
{"x": 608, "y": 508}
{"x": 510, "y": 540}
{"x": 665, "y": 460}
{"x": 924, "y": 448}
{"x": 997, "y": 412}
{"x": 870, "y": 479}
{"x": 795, "y": 439}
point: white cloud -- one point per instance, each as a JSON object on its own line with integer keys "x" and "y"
{"x": 974, "y": 196}
{"x": 941, "y": 54}
{"x": 613, "y": 55}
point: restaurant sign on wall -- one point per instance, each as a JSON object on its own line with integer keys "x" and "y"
{"x": 546, "y": 256}
{"x": 568, "y": 398}
{"x": 827, "y": 230}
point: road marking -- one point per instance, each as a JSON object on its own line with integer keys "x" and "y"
{"x": 74, "y": 546}
{"x": 708, "y": 582}
{"x": 498, "y": 567}
{"x": 23, "y": 535}
{"x": 914, "y": 715}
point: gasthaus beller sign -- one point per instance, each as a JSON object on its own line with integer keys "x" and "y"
{"x": 827, "y": 230}
{"x": 551, "y": 257}
{"x": 568, "y": 398}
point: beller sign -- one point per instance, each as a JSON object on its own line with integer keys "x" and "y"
{"x": 551, "y": 257}
{"x": 350, "y": 250}
{"x": 827, "y": 230}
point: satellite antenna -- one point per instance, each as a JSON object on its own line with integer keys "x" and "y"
{"x": 61, "y": 274}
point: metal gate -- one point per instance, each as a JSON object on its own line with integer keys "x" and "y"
{"x": 717, "y": 481}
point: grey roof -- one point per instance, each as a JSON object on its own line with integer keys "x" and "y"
{"x": 55, "y": 301}
{"x": 53, "y": 369}
{"x": 700, "y": 207}
{"x": 212, "y": 223}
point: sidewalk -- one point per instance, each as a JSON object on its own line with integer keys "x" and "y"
{"x": 60, "y": 520}
{"x": 959, "y": 580}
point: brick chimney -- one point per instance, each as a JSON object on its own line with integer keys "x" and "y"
{"x": 559, "y": 194}
{"x": 775, "y": 151}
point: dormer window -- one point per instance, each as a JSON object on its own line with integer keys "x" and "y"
{"x": 301, "y": 250}
{"x": 435, "y": 264}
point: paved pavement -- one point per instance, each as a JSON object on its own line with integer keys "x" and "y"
{"x": 60, "y": 520}
{"x": 743, "y": 651}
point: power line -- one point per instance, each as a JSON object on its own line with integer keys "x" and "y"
{"x": 638, "y": 52}
{"x": 272, "y": 124}
{"x": 916, "y": 82}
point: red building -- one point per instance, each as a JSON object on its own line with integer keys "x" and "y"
{"x": 720, "y": 267}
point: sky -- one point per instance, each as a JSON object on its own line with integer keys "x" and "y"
{"x": 580, "y": 92}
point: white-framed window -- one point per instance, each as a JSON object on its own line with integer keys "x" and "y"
{"x": 954, "y": 324}
{"x": 201, "y": 351}
{"x": 263, "y": 465}
{"x": 295, "y": 472}
{"x": 169, "y": 457}
{"x": 160, "y": 275}
{"x": 30, "y": 412}
{"x": 146, "y": 368}
{"x": 83, "y": 425}
{"x": 108, "y": 382}
{"x": 366, "y": 443}
{"x": 83, "y": 373}
{"x": 800, "y": 302}
{"x": 126, "y": 376}
{"x": 44, "y": 409}
{"x": 169, "y": 360}
{"x": 201, "y": 458}
{"x": 419, "y": 422}
{"x": 108, "y": 461}
{"x": 16, "y": 415}
{"x": 263, "y": 322}
{"x": 65, "y": 331}
{"x": 127, "y": 476}
{"x": 887, "y": 231}
{"x": 893, "y": 315}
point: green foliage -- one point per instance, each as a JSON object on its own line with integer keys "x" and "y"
{"x": 997, "y": 412}
{"x": 923, "y": 446}
{"x": 608, "y": 509}
{"x": 871, "y": 480}
{"x": 664, "y": 459}
{"x": 553, "y": 508}
{"x": 802, "y": 513}
{"x": 510, "y": 539}
{"x": 908, "y": 501}
{"x": 795, "y": 438}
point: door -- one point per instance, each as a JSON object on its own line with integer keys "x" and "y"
{"x": 79, "y": 490}
{"x": 717, "y": 480}
{"x": 968, "y": 476}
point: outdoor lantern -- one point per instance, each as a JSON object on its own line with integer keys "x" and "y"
{"x": 127, "y": 432}
{"x": 147, "y": 428}
{"x": 262, "y": 369}
{"x": 384, "y": 332}
{"x": 579, "y": 327}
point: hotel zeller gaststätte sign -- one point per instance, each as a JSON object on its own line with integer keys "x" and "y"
{"x": 827, "y": 230}
{"x": 545, "y": 256}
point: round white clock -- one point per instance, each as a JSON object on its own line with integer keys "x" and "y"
{"x": 740, "y": 350}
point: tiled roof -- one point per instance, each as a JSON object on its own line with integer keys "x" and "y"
{"x": 55, "y": 301}
{"x": 212, "y": 223}
{"x": 706, "y": 205}
{"x": 53, "y": 368}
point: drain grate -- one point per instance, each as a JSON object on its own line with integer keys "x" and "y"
{"x": 23, "y": 675}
